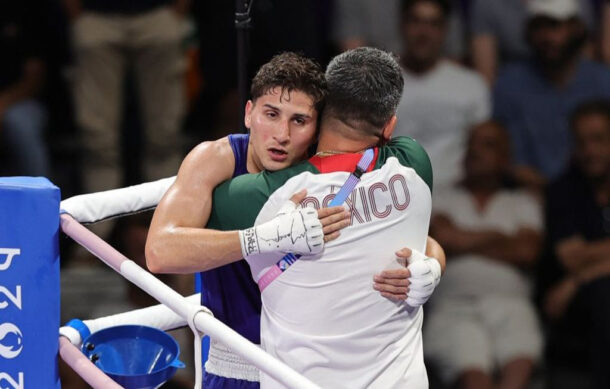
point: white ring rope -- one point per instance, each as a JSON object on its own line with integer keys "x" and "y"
{"x": 184, "y": 309}
{"x": 95, "y": 207}
{"x": 158, "y": 316}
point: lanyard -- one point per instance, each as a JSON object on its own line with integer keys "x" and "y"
{"x": 276, "y": 270}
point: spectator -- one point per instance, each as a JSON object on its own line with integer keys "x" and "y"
{"x": 22, "y": 70}
{"x": 497, "y": 29}
{"x": 575, "y": 280}
{"x": 534, "y": 98}
{"x": 441, "y": 100}
{"x": 370, "y": 23}
{"x": 481, "y": 320}
{"x": 110, "y": 36}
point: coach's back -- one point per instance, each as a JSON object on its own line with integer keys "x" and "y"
{"x": 322, "y": 316}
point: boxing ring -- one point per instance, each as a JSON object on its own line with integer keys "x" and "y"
{"x": 24, "y": 283}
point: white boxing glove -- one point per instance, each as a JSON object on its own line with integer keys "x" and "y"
{"x": 292, "y": 230}
{"x": 425, "y": 276}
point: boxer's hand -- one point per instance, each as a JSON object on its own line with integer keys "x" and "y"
{"x": 414, "y": 283}
{"x": 295, "y": 230}
{"x": 425, "y": 276}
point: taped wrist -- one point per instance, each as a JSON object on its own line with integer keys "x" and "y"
{"x": 425, "y": 276}
{"x": 435, "y": 267}
{"x": 298, "y": 231}
{"x": 249, "y": 242}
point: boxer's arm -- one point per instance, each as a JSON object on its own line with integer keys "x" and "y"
{"x": 435, "y": 250}
{"x": 177, "y": 241}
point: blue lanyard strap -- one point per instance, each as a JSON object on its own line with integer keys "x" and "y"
{"x": 353, "y": 178}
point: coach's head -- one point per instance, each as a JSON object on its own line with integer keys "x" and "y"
{"x": 364, "y": 89}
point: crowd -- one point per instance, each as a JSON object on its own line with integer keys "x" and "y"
{"x": 511, "y": 100}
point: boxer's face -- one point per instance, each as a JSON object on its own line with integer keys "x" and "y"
{"x": 282, "y": 126}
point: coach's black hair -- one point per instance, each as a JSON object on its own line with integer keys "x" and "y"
{"x": 364, "y": 88}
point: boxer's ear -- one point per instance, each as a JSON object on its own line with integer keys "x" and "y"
{"x": 248, "y": 113}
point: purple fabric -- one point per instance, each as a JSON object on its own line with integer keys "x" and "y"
{"x": 214, "y": 381}
{"x": 229, "y": 291}
{"x": 239, "y": 144}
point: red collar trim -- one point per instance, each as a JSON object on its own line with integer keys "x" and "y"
{"x": 340, "y": 162}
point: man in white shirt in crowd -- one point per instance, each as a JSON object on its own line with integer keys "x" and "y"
{"x": 441, "y": 100}
{"x": 481, "y": 320}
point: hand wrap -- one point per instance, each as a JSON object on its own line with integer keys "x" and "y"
{"x": 425, "y": 276}
{"x": 292, "y": 230}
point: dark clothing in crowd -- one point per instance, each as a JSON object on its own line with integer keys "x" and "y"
{"x": 584, "y": 328}
{"x": 19, "y": 40}
{"x": 535, "y": 111}
{"x": 22, "y": 116}
{"x": 572, "y": 209}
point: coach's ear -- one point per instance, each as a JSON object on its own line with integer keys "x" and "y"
{"x": 387, "y": 131}
{"x": 248, "y": 113}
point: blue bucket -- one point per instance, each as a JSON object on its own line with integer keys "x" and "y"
{"x": 136, "y": 357}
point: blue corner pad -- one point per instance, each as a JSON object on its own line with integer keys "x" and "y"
{"x": 27, "y": 182}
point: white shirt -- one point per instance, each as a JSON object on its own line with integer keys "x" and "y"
{"x": 322, "y": 316}
{"x": 438, "y": 109}
{"x": 472, "y": 275}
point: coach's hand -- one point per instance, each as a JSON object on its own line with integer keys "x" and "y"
{"x": 415, "y": 283}
{"x": 332, "y": 219}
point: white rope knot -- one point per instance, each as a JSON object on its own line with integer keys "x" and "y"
{"x": 195, "y": 310}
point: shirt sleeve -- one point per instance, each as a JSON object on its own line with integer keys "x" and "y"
{"x": 410, "y": 154}
{"x": 237, "y": 202}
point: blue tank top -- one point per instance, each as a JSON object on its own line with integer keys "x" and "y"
{"x": 239, "y": 144}
{"x": 229, "y": 291}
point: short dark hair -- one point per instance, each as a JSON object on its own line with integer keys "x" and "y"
{"x": 591, "y": 107}
{"x": 444, "y": 5}
{"x": 291, "y": 71}
{"x": 364, "y": 88}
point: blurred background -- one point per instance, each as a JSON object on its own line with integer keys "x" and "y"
{"x": 511, "y": 99}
